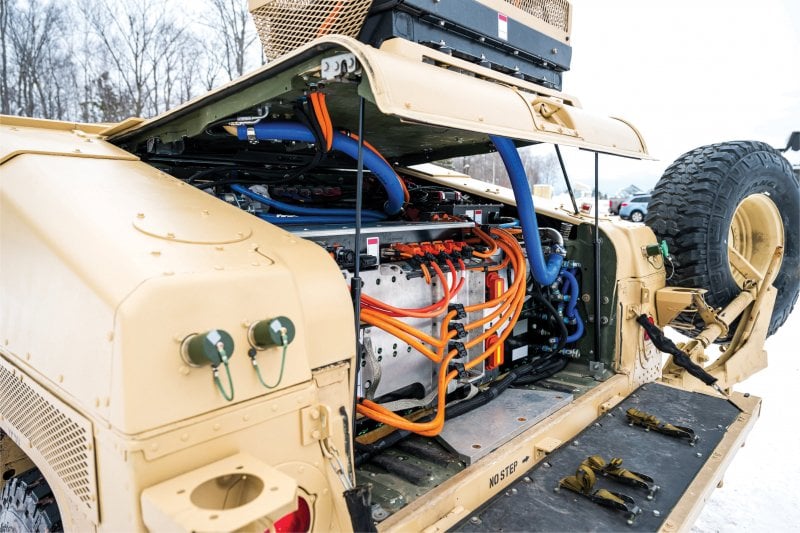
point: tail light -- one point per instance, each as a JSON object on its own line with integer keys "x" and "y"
{"x": 297, "y": 522}
{"x": 623, "y": 204}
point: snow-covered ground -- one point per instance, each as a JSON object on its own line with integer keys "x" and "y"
{"x": 759, "y": 491}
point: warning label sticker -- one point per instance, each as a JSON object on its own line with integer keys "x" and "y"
{"x": 502, "y": 26}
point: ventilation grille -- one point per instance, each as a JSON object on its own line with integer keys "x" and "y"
{"x": 61, "y": 438}
{"x": 553, "y": 12}
{"x": 283, "y": 25}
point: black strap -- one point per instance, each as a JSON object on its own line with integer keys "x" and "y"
{"x": 679, "y": 357}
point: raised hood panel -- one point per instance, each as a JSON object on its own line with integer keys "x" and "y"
{"x": 422, "y": 106}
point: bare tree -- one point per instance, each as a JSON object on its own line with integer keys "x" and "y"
{"x": 539, "y": 167}
{"x": 233, "y": 34}
{"x": 129, "y": 33}
{"x": 105, "y": 60}
{"x": 37, "y": 68}
{"x": 5, "y": 26}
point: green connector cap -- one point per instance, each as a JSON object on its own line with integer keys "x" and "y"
{"x": 209, "y": 347}
{"x": 661, "y": 249}
{"x": 266, "y": 333}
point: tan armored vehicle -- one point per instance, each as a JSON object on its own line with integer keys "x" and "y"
{"x": 179, "y": 344}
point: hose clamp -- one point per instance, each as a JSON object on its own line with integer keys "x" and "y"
{"x": 251, "y": 135}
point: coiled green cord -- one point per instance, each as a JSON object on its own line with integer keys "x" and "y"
{"x": 217, "y": 382}
{"x": 285, "y": 341}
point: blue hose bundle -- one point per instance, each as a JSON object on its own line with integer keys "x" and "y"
{"x": 294, "y": 131}
{"x": 545, "y": 273}
{"x": 571, "y": 285}
{"x": 306, "y": 213}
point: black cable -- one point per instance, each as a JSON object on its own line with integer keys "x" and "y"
{"x": 566, "y": 179}
{"x": 487, "y": 395}
{"x": 355, "y": 283}
{"x": 548, "y": 368}
{"x": 596, "y": 243}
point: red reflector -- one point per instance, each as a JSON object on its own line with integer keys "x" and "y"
{"x": 623, "y": 204}
{"x": 296, "y": 522}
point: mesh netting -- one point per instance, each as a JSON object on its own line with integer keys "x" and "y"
{"x": 283, "y": 25}
{"x": 553, "y": 12}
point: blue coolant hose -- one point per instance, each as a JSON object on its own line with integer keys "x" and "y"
{"x": 307, "y": 212}
{"x": 571, "y": 284}
{"x": 294, "y": 131}
{"x": 545, "y": 273}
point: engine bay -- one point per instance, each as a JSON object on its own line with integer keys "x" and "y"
{"x": 453, "y": 320}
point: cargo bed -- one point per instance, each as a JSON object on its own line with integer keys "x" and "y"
{"x": 685, "y": 472}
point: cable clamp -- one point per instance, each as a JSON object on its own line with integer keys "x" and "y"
{"x": 458, "y": 347}
{"x": 461, "y": 313}
{"x": 460, "y": 368}
{"x": 459, "y": 329}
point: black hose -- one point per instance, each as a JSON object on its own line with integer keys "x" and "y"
{"x": 365, "y": 452}
{"x": 488, "y": 394}
{"x": 545, "y": 370}
{"x": 556, "y": 318}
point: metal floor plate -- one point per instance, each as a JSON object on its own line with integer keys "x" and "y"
{"x": 483, "y": 430}
{"x": 672, "y": 463}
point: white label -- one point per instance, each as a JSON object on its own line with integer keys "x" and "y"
{"x": 518, "y": 353}
{"x": 478, "y": 218}
{"x": 502, "y": 26}
{"x": 373, "y": 247}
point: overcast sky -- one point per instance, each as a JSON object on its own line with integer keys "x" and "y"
{"x": 686, "y": 74}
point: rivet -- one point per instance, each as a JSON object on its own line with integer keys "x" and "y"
{"x": 155, "y": 253}
{"x": 216, "y": 427}
{"x": 139, "y": 215}
{"x": 184, "y": 437}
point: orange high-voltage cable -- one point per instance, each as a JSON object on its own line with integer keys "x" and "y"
{"x": 517, "y": 292}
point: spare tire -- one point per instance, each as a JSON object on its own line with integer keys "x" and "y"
{"x": 724, "y": 203}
